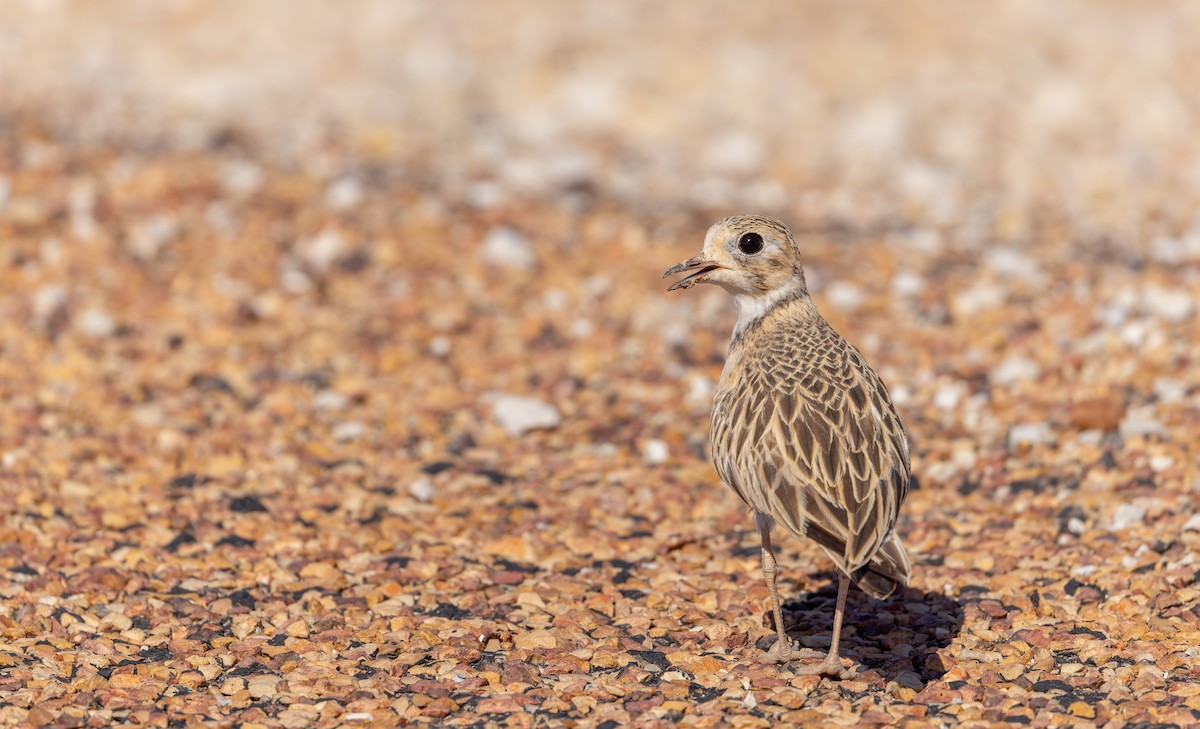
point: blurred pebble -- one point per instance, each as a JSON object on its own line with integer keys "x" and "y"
{"x": 329, "y": 400}
{"x": 508, "y": 248}
{"x": 655, "y": 451}
{"x": 517, "y": 414}
{"x": 344, "y": 194}
{"x": 1013, "y": 370}
{"x": 1127, "y": 515}
{"x": 95, "y": 322}
{"x": 1030, "y": 434}
{"x": 1192, "y": 524}
{"x": 845, "y": 296}
{"x": 439, "y": 346}
{"x": 349, "y": 430}
{"x": 1173, "y": 305}
{"x": 422, "y": 489}
{"x": 1140, "y": 422}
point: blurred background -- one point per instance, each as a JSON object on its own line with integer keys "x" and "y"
{"x": 867, "y": 111}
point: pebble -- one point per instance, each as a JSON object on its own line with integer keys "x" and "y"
{"x": 348, "y": 431}
{"x": 1127, "y": 515}
{"x": 1192, "y": 524}
{"x": 1171, "y": 304}
{"x": 422, "y": 489}
{"x": 95, "y": 322}
{"x": 655, "y": 451}
{"x": 1030, "y": 434}
{"x": 344, "y": 194}
{"x": 845, "y": 296}
{"x": 439, "y": 346}
{"x": 518, "y": 415}
{"x": 508, "y": 248}
{"x": 1015, "y": 369}
{"x": 330, "y": 400}
{"x": 1140, "y": 422}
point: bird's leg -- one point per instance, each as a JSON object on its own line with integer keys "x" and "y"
{"x": 832, "y": 665}
{"x": 782, "y": 651}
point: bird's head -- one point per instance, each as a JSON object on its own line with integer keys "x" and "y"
{"x": 751, "y": 256}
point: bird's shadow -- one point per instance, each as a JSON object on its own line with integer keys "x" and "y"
{"x": 905, "y": 632}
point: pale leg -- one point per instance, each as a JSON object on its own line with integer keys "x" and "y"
{"x": 832, "y": 665}
{"x": 782, "y": 651}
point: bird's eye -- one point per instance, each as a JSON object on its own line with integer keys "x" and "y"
{"x": 750, "y": 243}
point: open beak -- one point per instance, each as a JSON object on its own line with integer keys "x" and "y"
{"x": 699, "y": 264}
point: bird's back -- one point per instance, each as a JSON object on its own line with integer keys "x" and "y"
{"x": 805, "y": 432}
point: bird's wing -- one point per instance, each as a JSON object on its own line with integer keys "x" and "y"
{"x": 818, "y": 446}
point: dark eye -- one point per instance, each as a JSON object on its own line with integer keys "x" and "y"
{"x": 750, "y": 243}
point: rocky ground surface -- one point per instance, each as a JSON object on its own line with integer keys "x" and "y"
{"x": 326, "y": 408}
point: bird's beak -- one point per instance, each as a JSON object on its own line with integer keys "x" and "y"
{"x": 699, "y": 262}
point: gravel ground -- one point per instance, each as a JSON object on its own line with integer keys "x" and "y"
{"x": 339, "y": 386}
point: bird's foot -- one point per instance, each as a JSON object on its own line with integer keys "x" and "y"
{"x": 832, "y": 666}
{"x": 785, "y": 652}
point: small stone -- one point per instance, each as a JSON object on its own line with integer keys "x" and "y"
{"x": 322, "y": 250}
{"x": 422, "y": 489}
{"x": 1099, "y": 413}
{"x": 96, "y": 322}
{"x": 359, "y": 716}
{"x": 508, "y": 248}
{"x": 1082, "y": 709}
{"x": 1030, "y": 434}
{"x": 518, "y": 415}
{"x": 1171, "y": 304}
{"x": 348, "y": 431}
{"x": 1013, "y": 370}
{"x": 1192, "y": 524}
{"x": 845, "y": 296}
{"x": 344, "y": 194}
{"x": 329, "y": 400}
{"x": 655, "y": 451}
{"x": 439, "y": 346}
{"x": 1140, "y": 422}
{"x": 1127, "y": 515}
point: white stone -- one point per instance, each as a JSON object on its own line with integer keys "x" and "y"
{"x": 508, "y": 248}
{"x": 1173, "y": 305}
{"x": 1127, "y": 515}
{"x": 1158, "y": 464}
{"x": 655, "y": 451}
{"x": 1076, "y": 526}
{"x": 321, "y": 250}
{"x": 95, "y": 322}
{"x": 349, "y": 430}
{"x": 518, "y": 415}
{"x": 949, "y": 394}
{"x": 1169, "y": 390}
{"x": 47, "y": 300}
{"x": 329, "y": 400}
{"x": 1015, "y": 369}
{"x": 1030, "y": 434}
{"x": 344, "y": 194}
{"x": 1140, "y": 422}
{"x": 422, "y": 489}
{"x": 1192, "y": 524}
{"x": 981, "y": 297}
{"x": 359, "y": 716}
{"x": 439, "y": 346}
{"x": 906, "y": 284}
{"x": 845, "y": 296}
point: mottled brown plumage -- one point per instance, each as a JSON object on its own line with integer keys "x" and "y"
{"x": 803, "y": 430}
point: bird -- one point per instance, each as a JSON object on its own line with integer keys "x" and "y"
{"x": 803, "y": 430}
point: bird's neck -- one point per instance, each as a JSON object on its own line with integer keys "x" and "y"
{"x": 752, "y": 309}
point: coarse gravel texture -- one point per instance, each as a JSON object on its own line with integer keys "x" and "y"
{"x": 339, "y": 387}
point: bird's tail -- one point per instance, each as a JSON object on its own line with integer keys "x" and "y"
{"x": 887, "y": 569}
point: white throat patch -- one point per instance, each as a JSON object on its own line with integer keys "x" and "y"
{"x": 752, "y": 308}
